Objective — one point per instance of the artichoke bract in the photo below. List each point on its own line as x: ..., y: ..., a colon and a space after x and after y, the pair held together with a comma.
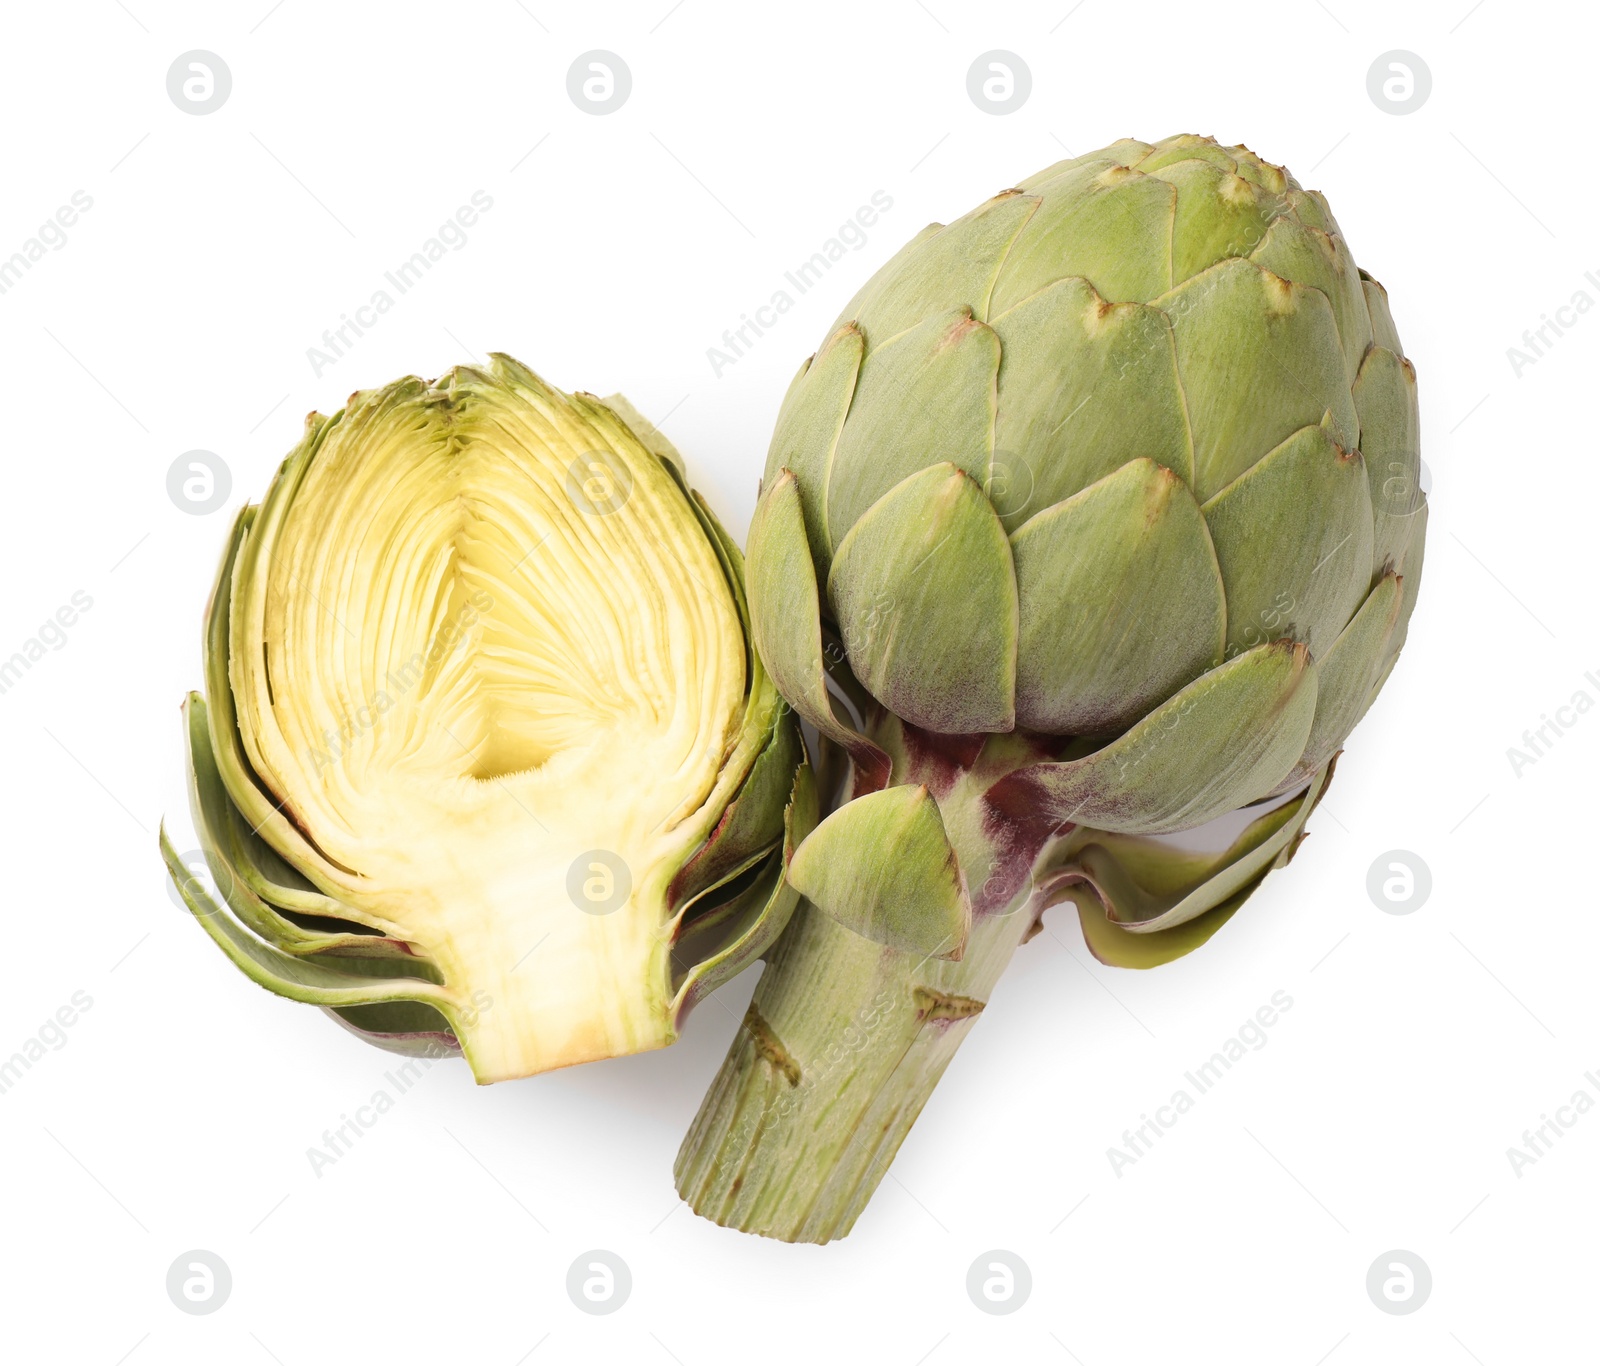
x: 1096, y: 518
x: 484, y: 759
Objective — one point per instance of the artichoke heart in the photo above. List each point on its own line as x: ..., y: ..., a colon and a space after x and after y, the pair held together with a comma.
x: 483, y: 738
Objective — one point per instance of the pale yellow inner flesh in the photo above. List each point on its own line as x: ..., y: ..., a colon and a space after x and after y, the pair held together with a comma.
x: 498, y: 647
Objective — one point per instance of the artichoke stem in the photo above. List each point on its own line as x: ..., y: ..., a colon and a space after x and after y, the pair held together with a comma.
x: 844, y: 1041
x: 536, y: 992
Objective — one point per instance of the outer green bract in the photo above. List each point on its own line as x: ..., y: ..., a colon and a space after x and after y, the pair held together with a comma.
x: 484, y: 760
x: 1102, y: 507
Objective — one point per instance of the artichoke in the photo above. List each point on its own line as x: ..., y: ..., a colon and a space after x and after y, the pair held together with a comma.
x: 484, y: 759
x: 1096, y: 518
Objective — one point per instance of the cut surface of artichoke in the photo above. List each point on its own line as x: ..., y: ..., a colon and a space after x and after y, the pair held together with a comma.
x: 487, y: 690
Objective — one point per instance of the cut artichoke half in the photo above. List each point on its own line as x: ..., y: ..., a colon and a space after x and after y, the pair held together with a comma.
x: 485, y: 759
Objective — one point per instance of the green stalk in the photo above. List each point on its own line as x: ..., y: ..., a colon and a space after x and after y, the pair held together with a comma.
x: 839, y: 1051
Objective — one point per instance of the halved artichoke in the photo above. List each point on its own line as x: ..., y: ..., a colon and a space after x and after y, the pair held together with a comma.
x: 485, y: 758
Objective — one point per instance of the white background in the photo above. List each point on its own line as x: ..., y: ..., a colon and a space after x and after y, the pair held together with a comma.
x: 177, y: 316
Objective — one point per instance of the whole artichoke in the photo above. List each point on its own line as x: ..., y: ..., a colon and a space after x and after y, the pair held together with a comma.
x: 1097, y: 517
x: 485, y: 761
